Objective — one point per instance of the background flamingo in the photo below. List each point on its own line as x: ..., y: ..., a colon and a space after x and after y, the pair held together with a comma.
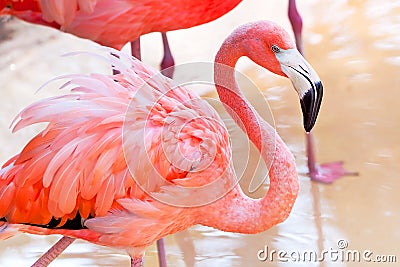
x: 33, y: 181
x: 115, y: 23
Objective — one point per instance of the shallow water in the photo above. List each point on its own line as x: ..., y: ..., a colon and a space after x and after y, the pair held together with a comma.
x: 355, y: 48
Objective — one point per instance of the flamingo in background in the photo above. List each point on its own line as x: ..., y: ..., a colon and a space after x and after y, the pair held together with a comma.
x: 73, y: 179
x: 327, y: 172
x: 114, y: 23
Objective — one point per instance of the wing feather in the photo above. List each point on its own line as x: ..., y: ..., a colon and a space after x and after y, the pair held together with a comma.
x: 105, y: 197
x: 6, y: 195
x: 67, y: 192
x: 122, y: 136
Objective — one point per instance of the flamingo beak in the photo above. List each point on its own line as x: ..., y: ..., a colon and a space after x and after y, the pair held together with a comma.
x: 310, y: 104
x: 305, y: 81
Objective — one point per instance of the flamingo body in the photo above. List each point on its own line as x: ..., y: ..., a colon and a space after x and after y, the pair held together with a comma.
x: 114, y: 23
x: 77, y: 164
x: 127, y: 159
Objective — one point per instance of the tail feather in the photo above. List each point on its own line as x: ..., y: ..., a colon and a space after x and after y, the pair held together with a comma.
x: 8, y: 230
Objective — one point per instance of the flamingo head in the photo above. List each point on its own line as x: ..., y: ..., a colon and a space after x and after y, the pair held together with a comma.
x: 271, y: 47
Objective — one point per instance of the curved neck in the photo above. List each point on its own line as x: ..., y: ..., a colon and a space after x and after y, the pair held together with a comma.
x: 236, y: 212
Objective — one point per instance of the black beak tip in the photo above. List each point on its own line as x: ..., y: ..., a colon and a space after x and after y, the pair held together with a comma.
x: 310, y: 104
x: 308, y: 127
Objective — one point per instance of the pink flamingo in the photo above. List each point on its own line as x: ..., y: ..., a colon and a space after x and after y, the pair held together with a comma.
x: 73, y: 179
x: 327, y: 172
x: 114, y: 23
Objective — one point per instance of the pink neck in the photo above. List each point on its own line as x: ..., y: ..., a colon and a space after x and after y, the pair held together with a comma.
x: 236, y: 212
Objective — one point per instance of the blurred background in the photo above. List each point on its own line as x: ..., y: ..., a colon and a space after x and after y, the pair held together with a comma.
x: 354, y: 45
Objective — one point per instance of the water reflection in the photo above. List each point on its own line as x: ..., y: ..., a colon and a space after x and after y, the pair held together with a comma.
x: 354, y: 45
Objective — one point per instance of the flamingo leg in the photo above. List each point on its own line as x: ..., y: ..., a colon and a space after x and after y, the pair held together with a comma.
x: 162, y: 259
x: 135, y: 49
x: 297, y: 24
x: 327, y: 172
x: 54, y: 252
x: 167, y: 63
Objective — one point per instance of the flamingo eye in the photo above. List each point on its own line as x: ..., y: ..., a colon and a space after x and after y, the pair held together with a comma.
x: 275, y: 49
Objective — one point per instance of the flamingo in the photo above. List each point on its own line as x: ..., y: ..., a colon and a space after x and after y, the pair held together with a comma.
x: 330, y: 171
x: 114, y: 23
x: 127, y: 159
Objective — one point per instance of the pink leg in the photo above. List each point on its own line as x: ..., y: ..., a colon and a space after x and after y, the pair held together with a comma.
x: 297, y: 24
x: 136, y: 262
x: 167, y: 63
x: 114, y: 71
x: 327, y: 172
x: 53, y: 252
x: 162, y: 258
x: 135, y: 49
